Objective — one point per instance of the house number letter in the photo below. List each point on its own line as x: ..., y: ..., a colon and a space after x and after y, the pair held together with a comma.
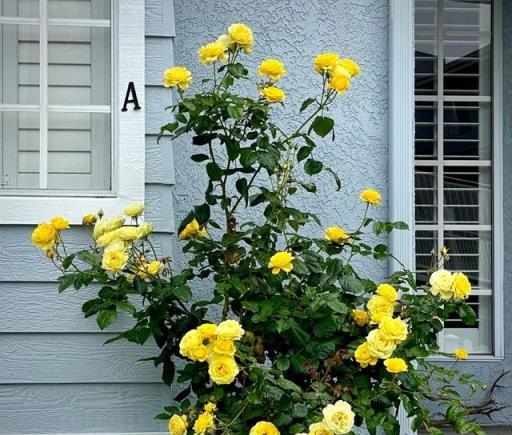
x: 131, y: 97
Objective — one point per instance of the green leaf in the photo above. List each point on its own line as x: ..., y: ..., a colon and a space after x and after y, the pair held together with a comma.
x: 202, y: 213
x: 126, y: 306
x: 237, y: 70
x: 182, y: 292
x: 282, y: 363
x: 67, y: 261
x: 336, y: 178
x: 236, y: 112
x: 306, y: 104
x: 66, y: 281
x: 467, y: 315
x: 214, y: 171
x: 322, y: 125
x: 300, y: 410
x: 312, y: 167
x: 88, y: 258
x: 199, y: 157
x: 303, y: 153
x: 105, y: 318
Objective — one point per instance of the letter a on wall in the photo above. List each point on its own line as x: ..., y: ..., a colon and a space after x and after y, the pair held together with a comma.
x: 130, y: 98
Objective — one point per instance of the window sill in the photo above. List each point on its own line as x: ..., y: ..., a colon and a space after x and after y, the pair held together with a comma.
x: 471, y: 358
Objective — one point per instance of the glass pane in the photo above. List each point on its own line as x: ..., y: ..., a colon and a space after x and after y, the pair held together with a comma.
x: 88, y: 9
x: 467, y: 131
x: 426, y: 47
x: 426, y: 244
x: 425, y: 141
x: 79, y: 65
x: 19, y: 64
x: 425, y: 179
x: 19, y: 8
x: 467, y: 195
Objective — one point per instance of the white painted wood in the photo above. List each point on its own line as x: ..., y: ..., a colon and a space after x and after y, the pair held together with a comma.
x: 160, y: 18
x: 43, y: 96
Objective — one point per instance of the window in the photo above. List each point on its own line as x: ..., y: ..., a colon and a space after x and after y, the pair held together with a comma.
x: 455, y: 147
x: 64, y: 70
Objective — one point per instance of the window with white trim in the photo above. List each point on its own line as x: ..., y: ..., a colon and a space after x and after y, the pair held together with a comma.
x: 454, y: 148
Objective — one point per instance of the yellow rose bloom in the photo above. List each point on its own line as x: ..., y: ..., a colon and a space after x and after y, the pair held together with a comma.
x: 326, y: 62
x: 264, y: 428
x: 177, y: 76
x: 103, y: 226
x: 145, y: 229
x: 193, y: 347
x: 114, y: 260
x: 223, y: 347
x: 133, y: 210
x: 350, y: 65
x: 178, y: 425
x: 379, y: 307
x: 272, y: 68
x: 210, y: 407
x: 363, y: 356
x: 281, y: 260
x: 460, y: 354
x: 441, y: 282
x: 107, y: 239
x: 339, y: 417
x: 273, y: 94
x: 60, y: 223
x: 370, y: 196
x: 319, y: 429
x: 192, y: 229
x: 388, y: 292
x: 461, y: 286
x: 241, y: 35
x: 395, y: 365
x: 379, y: 345
x: 336, y: 235
x: 212, y: 52
x: 222, y: 369
x: 44, y: 236
x: 207, y: 330
x: 360, y: 317
x: 226, y: 41
x: 340, y: 79
x: 229, y: 330
x: 393, y: 329
x: 153, y: 268
x: 89, y: 219
x: 204, y: 422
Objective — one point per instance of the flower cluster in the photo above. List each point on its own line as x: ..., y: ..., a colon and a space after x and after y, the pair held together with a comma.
x: 338, y: 420
x: 205, y: 422
x: 450, y: 285
x: 214, y: 344
x: 337, y: 71
x: 46, y: 235
x: 192, y: 230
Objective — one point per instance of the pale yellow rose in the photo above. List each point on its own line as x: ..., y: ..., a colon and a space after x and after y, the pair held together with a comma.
x: 387, y: 291
x: 319, y: 429
x: 44, y: 236
x: 461, y: 286
x: 395, y: 365
x: 360, y: 317
x: 212, y: 52
x: 177, y: 76
x: 103, y: 226
x: 150, y: 269
x: 363, y: 356
x: 226, y: 41
x: 379, y: 307
x: 229, y: 330
x: 441, y: 282
x: 272, y: 68
x: 326, y: 62
x: 241, y: 35
x: 114, y: 260
x: 273, y: 94
x: 210, y: 407
x: 60, y: 223
x: 379, y: 345
x: 281, y: 261
x: 222, y: 369
x: 336, y: 235
x: 133, y: 210
x: 393, y: 329
x: 339, y: 417
x: 205, y: 422
x: 370, y: 196
x: 461, y: 354
x: 264, y: 428
x: 178, y: 425
x: 127, y: 233
x: 145, y: 229
x: 351, y: 65
x: 107, y: 239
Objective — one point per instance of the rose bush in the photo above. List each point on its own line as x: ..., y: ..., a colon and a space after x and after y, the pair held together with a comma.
x: 306, y: 342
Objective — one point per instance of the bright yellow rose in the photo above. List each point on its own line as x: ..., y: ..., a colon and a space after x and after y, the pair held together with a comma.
x: 150, y: 269
x: 441, y: 282
x: 326, y: 62
x: 379, y: 345
x: 379, y: 307
x: 272, y: 68
x: 114, y: 260
x: 281, y: 260
x: 207, y: 330
x: 222, y: 369
x: 133, y: 210
x: 177, y: 76
x: 319, y: 429
x: 352, y: 66
x: 363, y: 356
x: 336, y: 235
x: 393, y: 329
x: 44, y: 236
x: 210, y: 407
x: 190, y: 340
x: 212, y: 52
x: 388, y: 292
x: 145, y: 229
x: 229, y: 330
x: 395, y: 365
x: 226, y: 41
x: 460, y: 354
x: 223, y: 347
x: 60, y: 223
x: 204, y: 422
x: 264, y: 428
x: 273, y: 94
x: 340, y: 79
x: 241, y: 35
x: 89, y: 219
x: 461, y: 286
x: 192, y: 229
x: 178, y: 425
x: 360, y: 317
x: 339, y: 417
x: 370, y: 196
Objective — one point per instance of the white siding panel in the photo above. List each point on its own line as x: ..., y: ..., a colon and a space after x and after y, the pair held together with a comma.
x: 58, y: 52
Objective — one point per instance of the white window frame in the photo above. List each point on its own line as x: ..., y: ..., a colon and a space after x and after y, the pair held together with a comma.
x: 401, y: 154
x: 128, y: 131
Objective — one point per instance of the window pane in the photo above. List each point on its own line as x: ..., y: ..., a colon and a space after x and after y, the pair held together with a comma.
x: 89, y: 9
x: 426, y: 47
x: 425, y: 141
x: 426, y: 192
x: 426, y: 244
x: 19, y: 8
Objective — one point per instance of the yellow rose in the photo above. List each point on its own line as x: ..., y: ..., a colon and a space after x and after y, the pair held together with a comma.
x: 326, y: 62
x: 379, y: 307
x: 229, y: 330
x: 222, y: 369
x: 226, y: 41
x: 145, y: 229
x: 273, y: 94
x: 107, y: 239
x: 379, y: 345
x: 60, y: 223
x: 461, y: 286
x: 103, y: 226
x: 360, y: 317
x: 395, y: 365
x: 336, y: 235
x: 192, y: 346
x: 388, y: 292
x: 370, y: 196
x: 89, y: 219
x: 393, y: 329
x: 177, y: 76
x: 351, y: 66
x: 363, y: 356
x: 339, y: 417
x: 223, y: 347
x: 210, y: 407
x: 441, y: 282
x: 340, y: 79
x: 114, y: 260
x: 150, y: 269
x: 44, y: 236
x: 281, y: 260
x: 133, y: 210
x: 319, y: 429
x: 272, y: 68
x: 241, y: 35
x: 207, y: 330
x: 460, y: 354
x: 264, y: 428
x: 212, y: 52
x: 127, y: 233
x: 204, y: 422
x: 192, y: 229
x: 178, y: 425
